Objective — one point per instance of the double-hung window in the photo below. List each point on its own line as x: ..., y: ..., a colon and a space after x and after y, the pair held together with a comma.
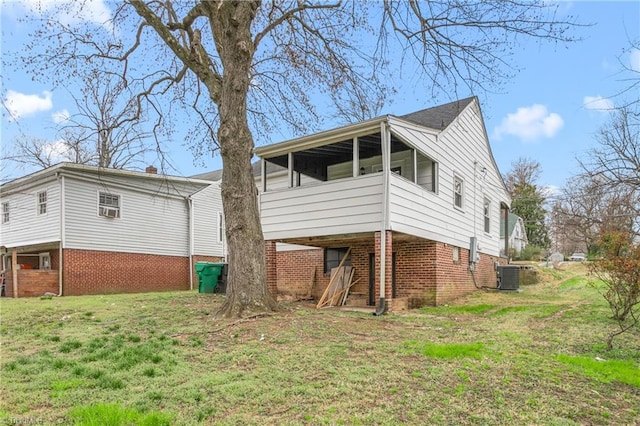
x: 42, y: 202
x: 458, y: 191
x: 220, y: 227
x: 5, y: 212
x: 108, y: 205
x: 487, y: 215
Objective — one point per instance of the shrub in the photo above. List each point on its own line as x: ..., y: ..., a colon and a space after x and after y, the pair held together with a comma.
x: 619, y: 272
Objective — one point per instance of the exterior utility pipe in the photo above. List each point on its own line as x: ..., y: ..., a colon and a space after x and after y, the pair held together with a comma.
x: 62, y: 234
x: 386, y: 166
x: 190, y: 214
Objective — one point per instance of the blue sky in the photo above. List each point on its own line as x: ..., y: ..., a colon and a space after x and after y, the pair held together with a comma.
x: 549, y: 111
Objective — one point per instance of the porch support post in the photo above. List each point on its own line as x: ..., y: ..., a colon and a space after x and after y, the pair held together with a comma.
x: 14, y: 271
x: 388, y: 267
x: 415, y: 166
x: 385, y: 258
x: 263, y: 174
x: 356, y: 157
x: 290, y: 164
x: 272, y: 270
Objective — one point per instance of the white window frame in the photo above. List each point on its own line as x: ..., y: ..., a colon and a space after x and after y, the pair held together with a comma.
x: 41, y: 202
x: 486, y: 206
x: 107, y: 208
x: 44, y: 260
x: 458, y: 194
x: 6, y: 208
x: 220, y: 227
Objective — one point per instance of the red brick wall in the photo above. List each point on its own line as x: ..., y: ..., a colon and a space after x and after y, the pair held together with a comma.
x: 32, y: 282
x: 416, y: 272
x: 101, y: 272
x: 270, y: 257
x: 426, y: 273
x: 294, y: 269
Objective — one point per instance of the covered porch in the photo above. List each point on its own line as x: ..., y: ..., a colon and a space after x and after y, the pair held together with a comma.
x: 409, y: 272
x: 31, y: 271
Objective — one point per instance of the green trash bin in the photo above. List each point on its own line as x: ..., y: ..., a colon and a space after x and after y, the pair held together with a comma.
x: 208, y: 274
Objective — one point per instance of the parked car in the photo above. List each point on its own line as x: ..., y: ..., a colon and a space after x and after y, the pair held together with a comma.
x: 578, y: 257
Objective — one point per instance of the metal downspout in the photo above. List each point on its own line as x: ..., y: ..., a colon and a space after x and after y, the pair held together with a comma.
x: 386, y: 166
x: 190, y: 243
x: 62, y: 235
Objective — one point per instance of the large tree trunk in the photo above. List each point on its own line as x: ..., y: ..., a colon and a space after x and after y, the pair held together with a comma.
x: 246, y: 289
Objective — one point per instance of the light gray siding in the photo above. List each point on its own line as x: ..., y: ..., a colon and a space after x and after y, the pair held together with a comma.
x: 328, y: 208
x: 206, y: 205
x: 461, y: 150
x: 149, y: 222
x: 26, y: 226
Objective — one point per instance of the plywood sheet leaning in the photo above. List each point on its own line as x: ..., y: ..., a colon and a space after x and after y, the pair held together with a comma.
x: 334, y: 276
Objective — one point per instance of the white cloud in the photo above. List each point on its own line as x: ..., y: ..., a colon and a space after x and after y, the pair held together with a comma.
x: 57, y: 151
x: 21, y: 105
x: 73, y: 12
x: 598, y: 103
x: 61, y: 116
x: 530, y: 123
x: 634, y: 59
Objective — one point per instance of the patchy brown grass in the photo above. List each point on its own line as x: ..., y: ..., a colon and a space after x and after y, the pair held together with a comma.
x: 490, y: 358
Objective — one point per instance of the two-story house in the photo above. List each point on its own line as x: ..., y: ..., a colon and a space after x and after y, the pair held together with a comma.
x: 418, y: 200
x: 73, y: 229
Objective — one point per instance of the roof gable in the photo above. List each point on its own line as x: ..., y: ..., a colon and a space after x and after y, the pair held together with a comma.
x: 438, y: 117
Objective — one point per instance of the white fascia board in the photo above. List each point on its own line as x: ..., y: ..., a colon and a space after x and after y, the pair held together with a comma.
x: 319, y: 139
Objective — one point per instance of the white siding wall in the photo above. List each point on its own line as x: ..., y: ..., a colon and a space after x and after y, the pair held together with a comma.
x: 280, y: 180
x: 26, y: 226
x: 329, y: 208
x: 206, y: 206
x: 148, y: 223
x: 434, y: 215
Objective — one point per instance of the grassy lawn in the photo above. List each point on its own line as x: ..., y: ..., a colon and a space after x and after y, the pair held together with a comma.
x: 534, y: 357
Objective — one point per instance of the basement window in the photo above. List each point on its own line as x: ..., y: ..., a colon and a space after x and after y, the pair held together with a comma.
x: 333, y: 257
x: 456, y: 255
x: 108, y: 205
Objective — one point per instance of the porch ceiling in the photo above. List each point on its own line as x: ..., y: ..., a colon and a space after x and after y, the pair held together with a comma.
x: 314, y: 161
x: 345, y: 239
x: 33, y: 248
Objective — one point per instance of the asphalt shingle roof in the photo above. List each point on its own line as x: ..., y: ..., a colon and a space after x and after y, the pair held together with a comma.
x: 438, y: 117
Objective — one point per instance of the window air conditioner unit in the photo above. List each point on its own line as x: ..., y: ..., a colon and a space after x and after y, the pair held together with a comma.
x: 107, y: 212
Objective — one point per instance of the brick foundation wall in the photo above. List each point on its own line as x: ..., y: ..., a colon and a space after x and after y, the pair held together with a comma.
x: 33, y: 282
x: 426, y: 273
x: 416, y: 272
x: 101, y: 272
x: 294, y: 270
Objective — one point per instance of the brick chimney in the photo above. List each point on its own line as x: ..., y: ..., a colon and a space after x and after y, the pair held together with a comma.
x: 152, y: 170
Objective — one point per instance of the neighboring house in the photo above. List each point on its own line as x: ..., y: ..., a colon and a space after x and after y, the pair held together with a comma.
x: 73, y: 229
x: 418, y: 200
x: 517, y: 234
